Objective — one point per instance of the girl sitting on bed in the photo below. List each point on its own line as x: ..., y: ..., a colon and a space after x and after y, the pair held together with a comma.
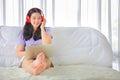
x: 34, y: 33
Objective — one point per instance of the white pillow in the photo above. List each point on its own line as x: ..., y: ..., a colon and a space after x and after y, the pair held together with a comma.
x: 8, y: 38
x: 80, y: 45
x: 2, y: 41
x: 10, y: 34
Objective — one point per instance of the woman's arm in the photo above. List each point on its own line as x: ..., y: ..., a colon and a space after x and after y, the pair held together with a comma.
x: 20, y: 51
x: 46, y: 38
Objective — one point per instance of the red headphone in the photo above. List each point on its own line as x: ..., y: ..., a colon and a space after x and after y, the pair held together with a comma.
x: 28, y: 18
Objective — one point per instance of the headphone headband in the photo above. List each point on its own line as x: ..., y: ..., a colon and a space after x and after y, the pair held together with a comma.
x: 28, y: 17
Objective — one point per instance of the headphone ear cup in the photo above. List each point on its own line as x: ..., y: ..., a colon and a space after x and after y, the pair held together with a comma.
x: 42, y: 18
x: 27, y: 19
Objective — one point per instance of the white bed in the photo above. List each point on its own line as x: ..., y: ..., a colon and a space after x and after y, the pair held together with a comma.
x: 80, y: 53
x: 69, y: 72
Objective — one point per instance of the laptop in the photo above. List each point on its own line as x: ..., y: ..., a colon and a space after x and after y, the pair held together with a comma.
x: 33, y: 51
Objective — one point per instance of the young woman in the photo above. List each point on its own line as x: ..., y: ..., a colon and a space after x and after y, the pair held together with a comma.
x: 34, y: 33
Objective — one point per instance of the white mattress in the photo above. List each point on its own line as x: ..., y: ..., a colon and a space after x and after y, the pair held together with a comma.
x: 69, y: 72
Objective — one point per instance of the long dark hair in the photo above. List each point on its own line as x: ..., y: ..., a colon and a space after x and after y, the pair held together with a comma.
x: 28, y: 28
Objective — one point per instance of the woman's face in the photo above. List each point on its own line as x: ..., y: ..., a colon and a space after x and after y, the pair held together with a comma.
x: 36, y: 20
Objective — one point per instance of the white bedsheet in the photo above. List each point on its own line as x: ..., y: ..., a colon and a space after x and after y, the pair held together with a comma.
x: 69, y: 72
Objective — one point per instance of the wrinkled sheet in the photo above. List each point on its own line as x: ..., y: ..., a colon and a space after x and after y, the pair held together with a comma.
x: 69, y: 72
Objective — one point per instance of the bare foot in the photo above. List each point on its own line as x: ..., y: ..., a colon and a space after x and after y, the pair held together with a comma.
x: 39, y: 60
x: 40, y: 68
x: 39, y: 64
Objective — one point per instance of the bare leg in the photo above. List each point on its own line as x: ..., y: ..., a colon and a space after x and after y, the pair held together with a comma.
x: 35, y: 66
x: 26, y: 66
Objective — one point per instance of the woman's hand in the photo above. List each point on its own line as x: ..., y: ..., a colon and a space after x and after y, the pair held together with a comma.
x: 46, y: 38
x: 43, y: 24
